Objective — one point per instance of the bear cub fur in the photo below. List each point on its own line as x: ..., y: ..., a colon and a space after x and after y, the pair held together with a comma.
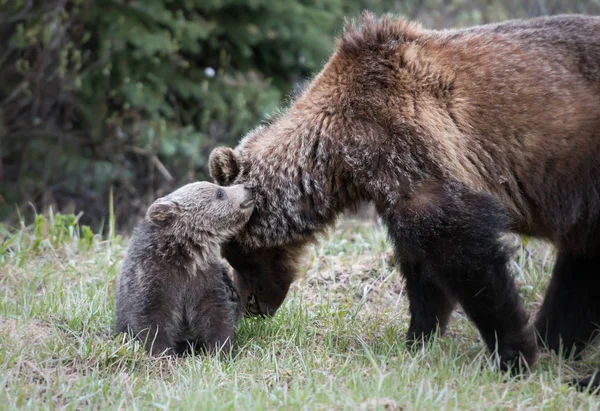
x: 174, y: 292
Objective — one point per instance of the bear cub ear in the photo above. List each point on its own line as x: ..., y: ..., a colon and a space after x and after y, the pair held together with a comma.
x: 162, y: 211
x: 223, y: 164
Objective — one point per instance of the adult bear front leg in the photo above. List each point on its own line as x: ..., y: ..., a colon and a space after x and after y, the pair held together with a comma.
x: 455, y: 233
x: 430, y: 306
x: 591, y: 383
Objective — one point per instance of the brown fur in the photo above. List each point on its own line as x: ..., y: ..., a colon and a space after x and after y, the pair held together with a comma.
x: 457, y: 136
x: 174, y: 292
x: 228, y: 166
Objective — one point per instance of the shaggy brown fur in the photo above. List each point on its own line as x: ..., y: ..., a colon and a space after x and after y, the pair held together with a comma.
x: 174, y: 292
x: 456, y: 136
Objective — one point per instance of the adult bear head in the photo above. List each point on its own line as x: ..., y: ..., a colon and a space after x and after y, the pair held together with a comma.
x: 265, y: 257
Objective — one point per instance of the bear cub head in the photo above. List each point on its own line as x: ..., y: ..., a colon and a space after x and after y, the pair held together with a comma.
x: 174, y: 292
x: 202, y: 210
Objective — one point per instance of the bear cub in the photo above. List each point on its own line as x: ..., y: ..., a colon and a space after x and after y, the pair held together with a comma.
x: 174, y: 292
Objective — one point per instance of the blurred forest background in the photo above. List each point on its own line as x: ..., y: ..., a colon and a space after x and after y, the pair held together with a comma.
x: 133, y: 94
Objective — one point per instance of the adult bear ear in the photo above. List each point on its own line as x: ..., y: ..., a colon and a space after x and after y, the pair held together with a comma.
x: 162, y: 211
x: 223, y: 165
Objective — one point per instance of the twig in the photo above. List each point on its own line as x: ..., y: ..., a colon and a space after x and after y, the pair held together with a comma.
x: 162, y: 169
x: 7, y: 20
x: 154, y: 159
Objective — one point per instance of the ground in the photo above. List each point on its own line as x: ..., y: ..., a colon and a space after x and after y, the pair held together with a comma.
x: 336, y: 343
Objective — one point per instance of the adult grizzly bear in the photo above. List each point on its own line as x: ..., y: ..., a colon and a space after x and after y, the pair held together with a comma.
x: 456, y: 136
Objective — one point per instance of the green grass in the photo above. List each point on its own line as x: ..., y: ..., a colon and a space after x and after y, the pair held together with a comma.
x: 336, y: 343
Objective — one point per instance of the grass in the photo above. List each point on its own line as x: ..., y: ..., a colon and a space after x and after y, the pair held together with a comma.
x: 336, y: 343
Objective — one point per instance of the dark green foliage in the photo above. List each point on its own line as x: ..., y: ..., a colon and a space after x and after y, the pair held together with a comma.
x: 133, y: 94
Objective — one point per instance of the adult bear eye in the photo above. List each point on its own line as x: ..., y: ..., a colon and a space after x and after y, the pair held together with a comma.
x: 220, y: 194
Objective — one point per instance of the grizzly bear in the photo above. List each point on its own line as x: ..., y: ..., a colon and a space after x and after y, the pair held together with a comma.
x: 174, y: 292
x: 457, y: 137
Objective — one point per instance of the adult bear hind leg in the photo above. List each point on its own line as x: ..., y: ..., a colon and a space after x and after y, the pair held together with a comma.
x: 457, y: 232
x: 570, y: 313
